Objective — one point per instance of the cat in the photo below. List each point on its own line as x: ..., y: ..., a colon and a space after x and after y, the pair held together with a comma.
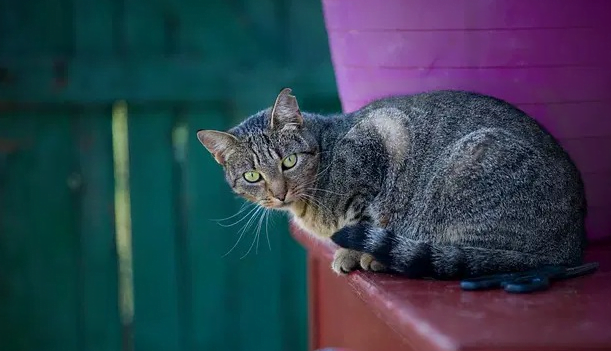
x: 443, y: 184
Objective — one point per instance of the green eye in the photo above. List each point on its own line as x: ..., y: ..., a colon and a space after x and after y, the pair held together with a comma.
x: 252, y: 176
x: 289, y: 161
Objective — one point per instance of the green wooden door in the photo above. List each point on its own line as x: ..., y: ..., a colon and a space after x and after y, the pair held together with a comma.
x: 57, y: 263
x: 179, y: 66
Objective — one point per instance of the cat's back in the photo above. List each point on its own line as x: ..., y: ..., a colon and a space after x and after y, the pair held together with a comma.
x: 444, y: 116
x: 451, y: 105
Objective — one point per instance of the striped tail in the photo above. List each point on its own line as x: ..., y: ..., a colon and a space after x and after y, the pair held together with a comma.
x: 419, y: 259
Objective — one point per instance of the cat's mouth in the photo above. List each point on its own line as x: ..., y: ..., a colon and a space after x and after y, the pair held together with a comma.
x: 277, y: 204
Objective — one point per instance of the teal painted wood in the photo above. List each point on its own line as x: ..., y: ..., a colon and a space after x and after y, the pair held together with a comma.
x: 162, y: 50
x: 214, y: 311
x: 37, y: 27
x: 99, y: 325
x: 188, y: 296
x: 152, y: 188
x: 57, y: 261
x: 103, y: 80
x: 185, y: 63
x: 34, y: 200
x: 58, y: 279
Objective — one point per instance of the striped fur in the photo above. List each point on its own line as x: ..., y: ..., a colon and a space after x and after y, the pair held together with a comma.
x: 444, y: 184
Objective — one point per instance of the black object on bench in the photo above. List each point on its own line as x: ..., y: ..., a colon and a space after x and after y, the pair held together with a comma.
x: 529, y: 281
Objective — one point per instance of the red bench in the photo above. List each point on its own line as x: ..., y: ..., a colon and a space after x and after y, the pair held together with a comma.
x: 375, y: 312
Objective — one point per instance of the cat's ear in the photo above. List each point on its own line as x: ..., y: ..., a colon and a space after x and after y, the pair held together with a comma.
x: 285, y: 112
x: 219, y: 144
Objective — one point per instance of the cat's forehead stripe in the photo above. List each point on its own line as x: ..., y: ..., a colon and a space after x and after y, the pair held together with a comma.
x: 253, y: 147
x: 256, y: 159
x: 268, y: 143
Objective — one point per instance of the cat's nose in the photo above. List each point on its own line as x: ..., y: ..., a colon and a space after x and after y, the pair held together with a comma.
x: 278, y: 191
x: 280, y: 195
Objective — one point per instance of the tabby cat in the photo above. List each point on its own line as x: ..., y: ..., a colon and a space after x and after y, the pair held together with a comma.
x: 443, y: 184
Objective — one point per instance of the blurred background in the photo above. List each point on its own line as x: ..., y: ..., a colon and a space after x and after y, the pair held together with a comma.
x: 107, y: 199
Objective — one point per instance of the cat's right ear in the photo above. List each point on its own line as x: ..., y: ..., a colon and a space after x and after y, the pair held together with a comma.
x: 285, y: 112
x: 219, y: 144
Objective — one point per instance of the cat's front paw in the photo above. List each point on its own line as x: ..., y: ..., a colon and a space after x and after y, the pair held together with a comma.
x: 345, y: 261
x: 369, y: 263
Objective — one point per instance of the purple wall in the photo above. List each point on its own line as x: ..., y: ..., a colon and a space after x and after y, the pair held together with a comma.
x: 552, y: 58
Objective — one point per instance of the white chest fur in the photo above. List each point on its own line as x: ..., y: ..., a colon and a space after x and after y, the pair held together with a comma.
x: 317, y: 221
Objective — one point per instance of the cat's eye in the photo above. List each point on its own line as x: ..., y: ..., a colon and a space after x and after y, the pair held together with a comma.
x: 252, y: 176
x: 289, y: 161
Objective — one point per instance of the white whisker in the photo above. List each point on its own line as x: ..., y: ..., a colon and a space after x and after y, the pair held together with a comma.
x: 240, y: 220
x: 267, y: 231
x: 315, y: 202
x: 243, y: 230
x: 259, y: 230
x: 242, y: 208
x: 255, y: 239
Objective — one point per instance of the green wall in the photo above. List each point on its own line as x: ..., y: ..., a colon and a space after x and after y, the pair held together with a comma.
x: 180, y: 66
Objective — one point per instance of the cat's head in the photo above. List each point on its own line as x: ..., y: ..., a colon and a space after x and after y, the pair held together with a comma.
x: 271, y: 158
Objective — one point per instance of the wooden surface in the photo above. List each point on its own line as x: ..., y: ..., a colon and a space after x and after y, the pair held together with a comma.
x: 338, y: 316
x: 431, y: 315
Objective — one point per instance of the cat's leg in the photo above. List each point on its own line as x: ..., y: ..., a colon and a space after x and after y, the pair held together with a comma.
x: 369, y: 263
x: 346, y: 261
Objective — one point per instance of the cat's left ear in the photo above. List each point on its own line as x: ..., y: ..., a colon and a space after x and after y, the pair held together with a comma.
x: 285, y: 112
x: 219, y: 144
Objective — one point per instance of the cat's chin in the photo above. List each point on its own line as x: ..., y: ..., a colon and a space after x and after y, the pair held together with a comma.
x: 284, y: 207
x: 281, y: 206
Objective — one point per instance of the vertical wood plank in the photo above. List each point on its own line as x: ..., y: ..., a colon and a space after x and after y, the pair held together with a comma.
x: 293, y: 291
x: 215, y: 313
x: 100, y: 323
x: 38, y: 236
x: 156, y: 320
x: 99, y: 311
x: 256, y: 274
x: 183, y: 278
